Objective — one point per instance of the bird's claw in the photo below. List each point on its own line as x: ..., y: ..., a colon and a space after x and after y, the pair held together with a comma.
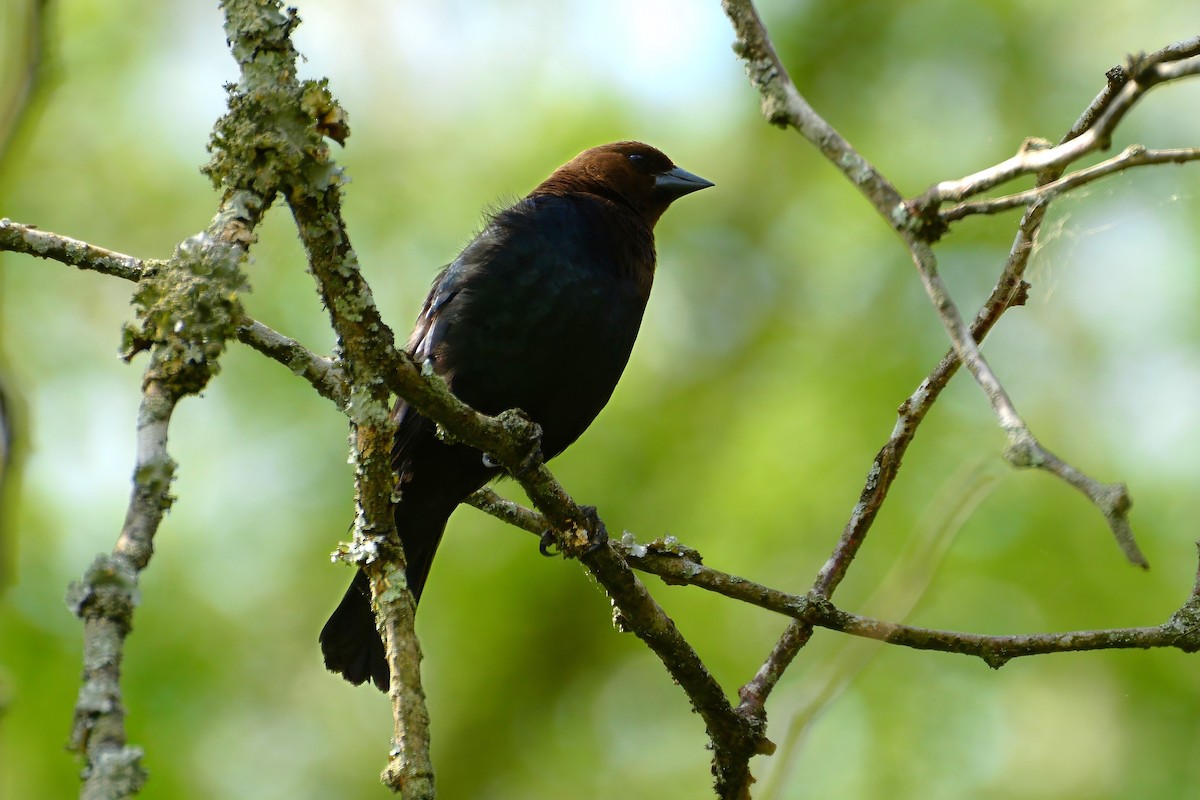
x: 597, y: 533
x: 594, y: 534
x: 547, y: 542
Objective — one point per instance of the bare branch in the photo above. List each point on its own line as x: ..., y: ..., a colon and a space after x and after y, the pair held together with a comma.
x: 1023, y: 450
x: 1112, y: 499
x: 996, y: 651
x: 1139, y: 77
x: 679, y: 565
x: 783, y: 105
x: 19, y: 238
x: 325, y: 374
x: 1135, y: 155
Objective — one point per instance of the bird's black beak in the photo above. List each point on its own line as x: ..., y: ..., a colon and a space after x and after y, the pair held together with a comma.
x: 677, y: 182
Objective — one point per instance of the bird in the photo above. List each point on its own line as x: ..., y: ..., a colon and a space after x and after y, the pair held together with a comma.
x: 539, y: 312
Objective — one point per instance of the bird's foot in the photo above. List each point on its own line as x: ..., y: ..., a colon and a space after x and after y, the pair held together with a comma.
x: 518, y: 423
x: 583, y: 540
x: 596, y: 533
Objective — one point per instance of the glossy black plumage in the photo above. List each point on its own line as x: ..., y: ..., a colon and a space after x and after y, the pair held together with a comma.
x: 539, y: 312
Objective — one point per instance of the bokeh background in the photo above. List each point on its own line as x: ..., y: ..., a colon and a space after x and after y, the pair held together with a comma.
x: 785, y: 327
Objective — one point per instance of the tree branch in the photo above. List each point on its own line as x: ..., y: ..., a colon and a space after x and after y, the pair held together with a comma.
x: 679, y: 565
x: 28, y: 239
x: 189, y: 308
x: 324, y: 374
x: 364, y: 340
x: 1135, y: 155
x: 279, y: 125
x: 184, y: 326
x: 783, y: 105
x: 1140, y: 75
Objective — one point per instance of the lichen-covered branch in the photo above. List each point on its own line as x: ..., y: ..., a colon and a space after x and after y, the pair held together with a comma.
x: 282, y: 124
x: 363, y: 338
x: 188, y: 310
x: 323, y: 373
x: 189, y: 307
x: 19, y: 238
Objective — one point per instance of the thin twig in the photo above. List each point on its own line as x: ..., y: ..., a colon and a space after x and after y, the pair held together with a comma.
x: 1135, y: 155
x: 679, y: 565
x: 996, y: 651
x: 323, y: 373
x: 783, y: 105
x: 1034, y: 157
x: 28, y: 239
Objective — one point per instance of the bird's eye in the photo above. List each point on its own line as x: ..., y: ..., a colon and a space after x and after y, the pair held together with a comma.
x: 637, y: 159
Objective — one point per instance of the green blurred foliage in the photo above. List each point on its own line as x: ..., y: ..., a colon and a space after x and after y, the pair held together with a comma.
x: 785, y: 328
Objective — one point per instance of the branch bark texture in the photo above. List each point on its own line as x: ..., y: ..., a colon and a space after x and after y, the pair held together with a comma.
x: 274, y: 141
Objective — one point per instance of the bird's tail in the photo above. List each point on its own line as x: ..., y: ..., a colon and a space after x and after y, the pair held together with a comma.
x: 350, y: 641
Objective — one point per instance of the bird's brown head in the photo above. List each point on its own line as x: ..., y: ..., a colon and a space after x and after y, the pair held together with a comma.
x: 630, y: 173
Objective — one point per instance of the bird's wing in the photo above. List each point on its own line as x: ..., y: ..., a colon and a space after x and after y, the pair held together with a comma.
x: 431, y: 327
x: 412, y: 424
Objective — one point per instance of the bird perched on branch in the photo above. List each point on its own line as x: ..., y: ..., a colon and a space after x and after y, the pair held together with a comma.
x: 539, y: 312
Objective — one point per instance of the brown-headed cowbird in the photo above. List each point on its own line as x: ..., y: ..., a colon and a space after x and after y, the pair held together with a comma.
x: 539, y: 312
